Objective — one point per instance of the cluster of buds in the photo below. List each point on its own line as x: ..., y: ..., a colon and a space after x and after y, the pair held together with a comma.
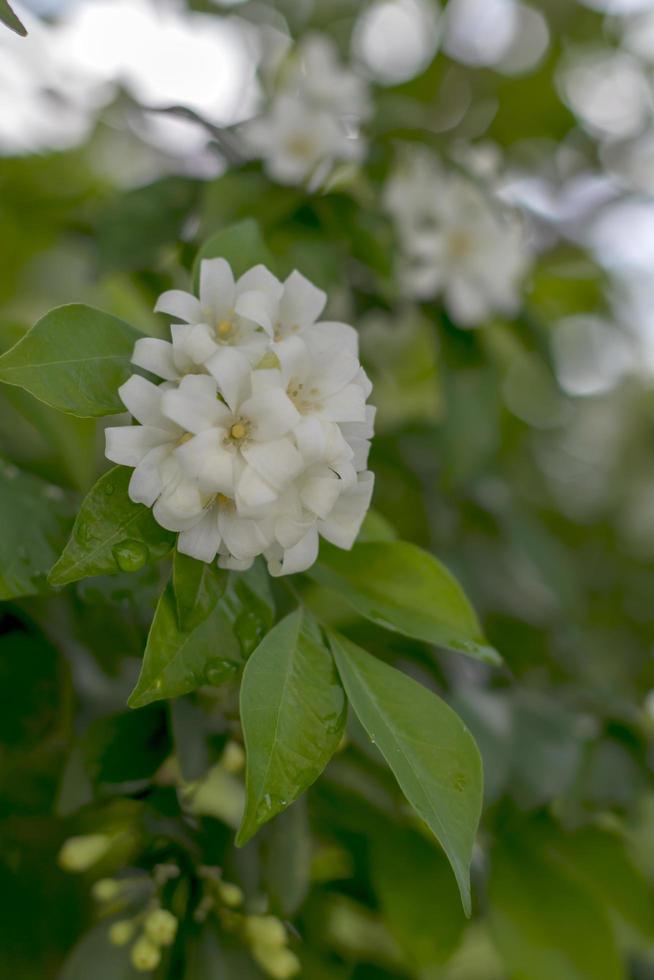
x: 268, y: 941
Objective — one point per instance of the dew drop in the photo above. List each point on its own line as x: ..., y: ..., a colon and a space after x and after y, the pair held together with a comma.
x: 130, y: 555
x: 109, y: 489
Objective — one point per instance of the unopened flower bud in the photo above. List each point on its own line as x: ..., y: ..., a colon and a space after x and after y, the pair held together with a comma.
x: 231, y: 894
x: 265, y: 930
x: 106, y: 890
x: 81, y: 853
x: 121, y: 932
x: 278, y: 962
x: 233, y: 758
x: 145, y: 955
x: 161, y: 927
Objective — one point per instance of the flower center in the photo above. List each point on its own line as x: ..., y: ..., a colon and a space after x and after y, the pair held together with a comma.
x: 304, y: 399
x: 300, y: 145
x: 184, y: 438
x: 239, y: 430
x: 460, y: 244
x: 224, y: 328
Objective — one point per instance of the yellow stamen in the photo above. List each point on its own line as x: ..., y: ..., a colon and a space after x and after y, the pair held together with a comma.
x: 224, y: 328
x: 184, y: 438
x: 223, y: 500
x: 238, y: 431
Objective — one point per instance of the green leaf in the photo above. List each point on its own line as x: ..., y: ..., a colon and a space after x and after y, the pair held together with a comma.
x: 417, y: 894
x: 36, y: 517
x: 176, y: 661
x: 544, y: 922
x: 198, y: 586
x: 9, y: 18
x: 132, y: 227
x: 286, y: 862
x: 95, y: 956
x: 74, y: 359
x: 292, y: 712
x: 405, y: 589
x: 432, y: 754
x: 241, y: 244
x: 111, y: 533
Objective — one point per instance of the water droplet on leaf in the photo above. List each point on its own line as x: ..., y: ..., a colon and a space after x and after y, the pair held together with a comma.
x: 130, y: 555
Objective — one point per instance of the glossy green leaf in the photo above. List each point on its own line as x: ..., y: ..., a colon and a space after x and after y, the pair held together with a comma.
x: 198, y: 586
x: 403, y: 588
x: 292, y: 712
x: 417, y: 895
x: 432, y: 754
x: 250, y: 606
x: 74, y: 359
x: 111, y: 533
x: 545, y: 923
x: 9, y: 18
x: 241, y: 244
x: 176, y: 661
x: 36, y: 517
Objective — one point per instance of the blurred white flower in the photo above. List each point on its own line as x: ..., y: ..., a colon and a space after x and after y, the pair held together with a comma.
x: 313, y: 118
x: 257, y: 440
x: 457, y: 241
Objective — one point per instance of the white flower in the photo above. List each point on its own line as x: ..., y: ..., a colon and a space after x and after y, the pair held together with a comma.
x: 313, y: 118
x: 457, y: 242
x: 245, y: 454
x: 299, y: 142
x: 227, y: 315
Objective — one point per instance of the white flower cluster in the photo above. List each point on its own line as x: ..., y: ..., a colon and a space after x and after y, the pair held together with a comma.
x: 256, y: 441
x: 314, y: 116
x: 457, y: 239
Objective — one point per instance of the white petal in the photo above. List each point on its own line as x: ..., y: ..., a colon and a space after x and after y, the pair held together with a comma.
x: 348, y: 405
x: 226, y: 561
x: 148, y: 479
x: 183, y: 306
x: 272, y: 414
x: 205, y: 459
x: 128, y: 444
x: 334, y: 371
x: 257, y: 307
x: 261, y: 280
x: 290, y: 530
x: 277, y: 462
x: 156, y: 356
x: 298, y: 558
x: 203, y: 539
x: 295, y: 359
x: 180, y: 509
x: 200, y: 343
x: 194, y: 405
x: 216, y: 287
x: 344, y: 523
x: 142, y: 399
x: 302, y: 302
x: 322, y: 336
x: 244, y: 538
x: 231, y: 369
x: 252, y: 492
x: 319, y: 493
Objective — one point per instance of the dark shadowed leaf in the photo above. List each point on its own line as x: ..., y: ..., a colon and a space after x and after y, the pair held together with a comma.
x: 240, y: 244
x: 431, y: 752
x: 198, y: 586
x: 292, y: 712
x: 36, y: 517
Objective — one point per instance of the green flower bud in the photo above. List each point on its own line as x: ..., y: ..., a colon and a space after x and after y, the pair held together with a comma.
x: 145, y: 955
x: 161, y: 927
x: 81, y: 853
x: 121, y: 932
x: 280, y: 963
x: 106, y: 889
x: 265, y: 930
x: 231, y: 894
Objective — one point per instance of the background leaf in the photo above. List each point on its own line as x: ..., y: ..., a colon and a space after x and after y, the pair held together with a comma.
x: 8, y: 17
x: 111, y: 533
x: 403, y: 588
x: 240, y: 244
x: 74, y: 359
x: 35, y: 519
x: 292, y: 712
x: 431, y: 752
